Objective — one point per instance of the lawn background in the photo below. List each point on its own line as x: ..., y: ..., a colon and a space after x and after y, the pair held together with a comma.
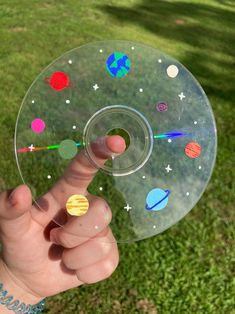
x: 190, y: 267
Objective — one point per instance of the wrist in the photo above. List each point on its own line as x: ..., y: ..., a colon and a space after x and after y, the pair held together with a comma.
x: 15, y: 288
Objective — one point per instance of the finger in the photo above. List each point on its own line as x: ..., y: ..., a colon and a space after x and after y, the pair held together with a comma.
x: 81, y: 171
x: 78, y: 230
x: 76, y: 178
x: 100, y: 270
x: 15, y: 206
x: 89, y: 252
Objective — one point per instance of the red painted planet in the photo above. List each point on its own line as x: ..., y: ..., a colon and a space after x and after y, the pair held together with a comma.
x: 59, y: 81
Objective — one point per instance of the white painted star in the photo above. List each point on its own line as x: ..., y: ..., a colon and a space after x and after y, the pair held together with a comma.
x: 195, y: 122
x: 127, y: 207
x: 169, y: 140
x: 31, y: 147
x: 141, y: 90
x: 199, y: 167
x: 101, y: 50
x: 74, y: 127
x: 133, y: 48
x: 154, y: 226
x: 168, y: 168
x: 101, y: 188
x: 143, y: 177
x: 159, y: 60
x: 96, y: 227
x: 181, y: 96
x: 70, y: 61
x: 49, y: 177
x: 187, y: 193
x: 33, y: 101
x: 95, y: 87
x: 67, y: 101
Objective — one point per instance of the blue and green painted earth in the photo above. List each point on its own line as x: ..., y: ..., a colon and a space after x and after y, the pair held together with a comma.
x: 118, y: 64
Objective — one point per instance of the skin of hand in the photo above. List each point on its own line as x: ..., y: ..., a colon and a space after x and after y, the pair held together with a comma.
x: 42, y: 258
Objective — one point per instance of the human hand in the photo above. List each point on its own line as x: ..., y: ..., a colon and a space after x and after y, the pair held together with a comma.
x: 41, y: 259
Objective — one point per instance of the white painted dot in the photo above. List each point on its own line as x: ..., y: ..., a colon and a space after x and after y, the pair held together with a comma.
x: 74, y: 127
x: 154, y: 226
x: 101, y: 188
x: 67, y: 101
x: 169, y: 140
x: 33, y: 101
x: 96, y: 227
x: 49, y: 177
x: 172, y: 71
x: 70, y: 61
x: 199, y: 167
x: 101, y: 50
x: 159, y: 60
x: 187, y: 193
x: 141, y: 90
x: 195, y: 122
x: 132, y: 48
x: 143, y: 177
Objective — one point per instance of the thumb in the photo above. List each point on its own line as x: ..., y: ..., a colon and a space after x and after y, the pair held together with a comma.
x: 15, y: 208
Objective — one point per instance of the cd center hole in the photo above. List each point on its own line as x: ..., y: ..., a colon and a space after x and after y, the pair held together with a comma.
x: 123, y: 133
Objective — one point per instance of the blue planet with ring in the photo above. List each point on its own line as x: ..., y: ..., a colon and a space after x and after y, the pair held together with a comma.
x: 118, y: 64
x: 157, y: 199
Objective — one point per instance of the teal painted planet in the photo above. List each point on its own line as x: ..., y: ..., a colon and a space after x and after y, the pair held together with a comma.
x: 118, y: 64
x: 157, y: 199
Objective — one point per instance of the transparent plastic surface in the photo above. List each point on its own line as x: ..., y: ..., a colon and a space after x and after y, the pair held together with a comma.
x: 108, y: 85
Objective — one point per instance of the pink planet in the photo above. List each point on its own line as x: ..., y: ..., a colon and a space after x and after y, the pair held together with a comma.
x: 38, y: 125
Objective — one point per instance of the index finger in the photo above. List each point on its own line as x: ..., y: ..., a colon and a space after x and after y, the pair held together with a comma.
x: 78, y: 175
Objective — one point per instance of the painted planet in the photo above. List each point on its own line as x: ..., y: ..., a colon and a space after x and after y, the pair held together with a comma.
x: 157, y: 199
x: 67, y: 149
x: 162, y: 106
x: 192, y: 150
x: 118, y: 64
x: 172, y: 71
x: 38, y: 125
x: 59, y: 81
x: 77, y: 205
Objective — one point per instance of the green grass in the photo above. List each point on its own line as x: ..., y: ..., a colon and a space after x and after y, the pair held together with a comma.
x: 190, y: 267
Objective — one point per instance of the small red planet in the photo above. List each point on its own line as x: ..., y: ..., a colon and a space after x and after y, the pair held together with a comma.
x: 59, y: 81
x: 192, y: 150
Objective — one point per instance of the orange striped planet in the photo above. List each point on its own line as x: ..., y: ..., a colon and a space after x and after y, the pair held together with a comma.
x: 77, y: 205
x: 192, y: 150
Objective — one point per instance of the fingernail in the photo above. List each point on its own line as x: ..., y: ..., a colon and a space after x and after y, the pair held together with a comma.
x: 53, y: 238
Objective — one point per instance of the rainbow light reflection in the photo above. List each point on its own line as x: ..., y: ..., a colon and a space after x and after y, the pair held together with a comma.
x: 157, y: 136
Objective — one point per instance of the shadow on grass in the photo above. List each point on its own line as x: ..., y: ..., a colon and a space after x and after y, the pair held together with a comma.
x: 208, y: 29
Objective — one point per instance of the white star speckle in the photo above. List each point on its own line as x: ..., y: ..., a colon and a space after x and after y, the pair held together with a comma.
x: 143, y: 177
x: 101, y: 50
x: 199, y: 167
x: 159, y: 60
x: 49, y: 177
x: 181, y: 96
x: 169, y: 140
x: 70, y: 61
x: 141, y: 90
x: 195, y: 122
x: 187, y: 193
x: 154, y: 226
x: 96, y: 227
x: 95, y: 87
x: 74, y: 127
x: 101, y: 188
x: 33, y: 101
x: 67, y: 101
x: 31, y: 147
x: 127, y: 207
x: 132, y: 48
x: 168, y: 168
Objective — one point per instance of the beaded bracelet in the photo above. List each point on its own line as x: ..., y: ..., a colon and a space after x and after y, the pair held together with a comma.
x: 16, y: 306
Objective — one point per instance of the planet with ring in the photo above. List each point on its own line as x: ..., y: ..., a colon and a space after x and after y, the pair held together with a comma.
x: 157, y: 199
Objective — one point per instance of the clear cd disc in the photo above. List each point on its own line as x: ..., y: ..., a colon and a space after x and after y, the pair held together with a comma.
x: 140, y: 93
